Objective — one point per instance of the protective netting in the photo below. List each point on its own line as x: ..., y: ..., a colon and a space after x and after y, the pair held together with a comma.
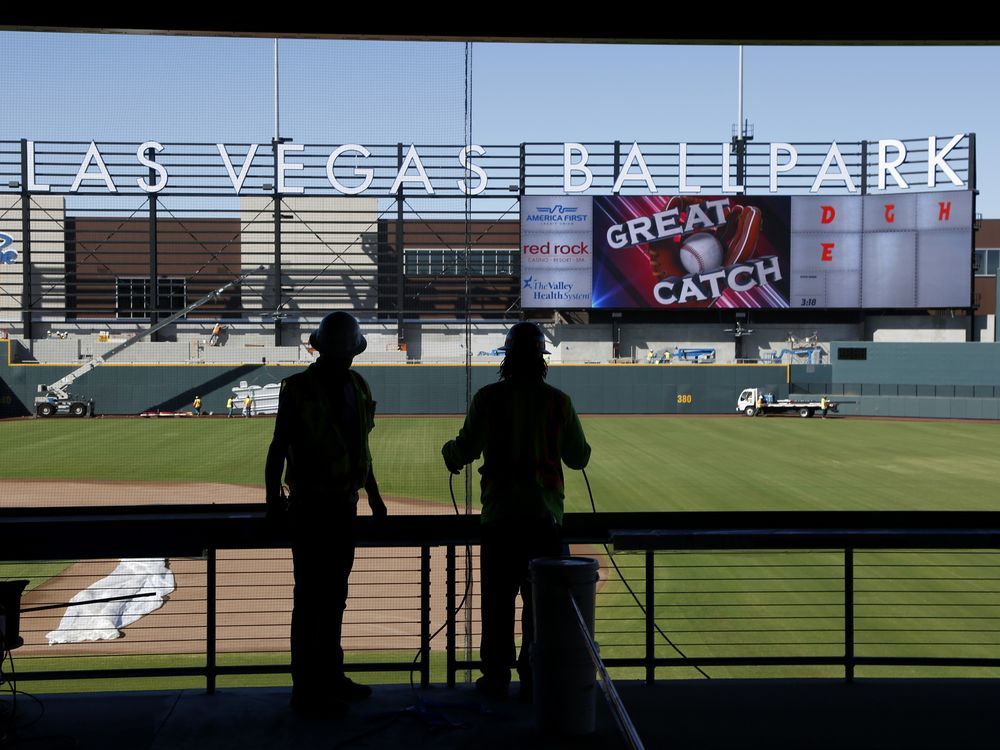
x: 107, y: 259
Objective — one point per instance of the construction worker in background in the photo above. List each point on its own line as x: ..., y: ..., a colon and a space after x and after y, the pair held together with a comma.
x: 248, y: 405
x: 197, y: 405
x: 229, y: 407
x: 525, y: 429
x: 216, y: 332
x: 760, y: 405
x: 321, y: 441
x: 650, y: 356
x: 824, y: 406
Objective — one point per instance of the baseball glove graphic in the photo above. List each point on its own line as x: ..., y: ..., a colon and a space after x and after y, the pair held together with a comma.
x: 693, y: 253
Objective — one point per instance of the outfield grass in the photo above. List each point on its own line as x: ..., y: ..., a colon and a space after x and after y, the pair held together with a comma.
x: 749, y: 604
x: 36, y: 572
x: 638, y: 464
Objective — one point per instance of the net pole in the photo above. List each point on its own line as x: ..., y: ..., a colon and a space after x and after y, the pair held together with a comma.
x: 468, y: 342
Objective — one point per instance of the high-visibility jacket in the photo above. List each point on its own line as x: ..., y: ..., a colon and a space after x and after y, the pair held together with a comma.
x: 229, y: 403
x: 525, y: 431
x: 197, y: 403
x: 319, y: 459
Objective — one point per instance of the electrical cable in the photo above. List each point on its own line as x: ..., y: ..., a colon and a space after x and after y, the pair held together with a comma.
x: 9, y: 729
x: 9, y: 726
x: 166, y: 718
x: 465, y: 594
x: 628, y: 587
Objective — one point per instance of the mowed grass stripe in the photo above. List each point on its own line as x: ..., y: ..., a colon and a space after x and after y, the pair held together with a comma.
x: 638, y: 464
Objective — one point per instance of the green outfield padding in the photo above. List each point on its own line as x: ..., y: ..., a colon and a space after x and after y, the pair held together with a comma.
x: 949, y: 381
x: 399, y: 389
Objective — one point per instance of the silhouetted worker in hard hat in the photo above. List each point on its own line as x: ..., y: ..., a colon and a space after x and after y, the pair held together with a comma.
x: 525, y: 429
x: 321, y: 440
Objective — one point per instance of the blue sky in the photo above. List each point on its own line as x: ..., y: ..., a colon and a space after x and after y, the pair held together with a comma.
x: 132, y: 88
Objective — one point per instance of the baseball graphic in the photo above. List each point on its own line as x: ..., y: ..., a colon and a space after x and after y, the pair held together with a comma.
x: 701, y: 252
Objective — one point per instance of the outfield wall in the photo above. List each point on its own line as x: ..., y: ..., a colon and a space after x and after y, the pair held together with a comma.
x: 918, y: 363
x: 905, y: 380
x: 401, y: 389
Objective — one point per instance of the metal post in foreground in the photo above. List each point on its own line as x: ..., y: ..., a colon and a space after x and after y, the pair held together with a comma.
x: 849, y: 614
x: 210, y: 620
x: 564, y: 676
x: 650, y: 617
x: 425, y: 616
x: 449, y: 603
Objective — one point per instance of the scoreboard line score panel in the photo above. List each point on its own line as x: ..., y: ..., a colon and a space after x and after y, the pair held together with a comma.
x: 902, y: 251
x: 882, y: 251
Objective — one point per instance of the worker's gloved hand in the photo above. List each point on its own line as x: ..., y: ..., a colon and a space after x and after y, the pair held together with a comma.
x: 447, y: 451
x: 276, y: 510
x: 377, y: 505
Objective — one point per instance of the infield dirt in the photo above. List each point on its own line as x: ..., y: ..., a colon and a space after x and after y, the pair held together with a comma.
x: 254, y: 586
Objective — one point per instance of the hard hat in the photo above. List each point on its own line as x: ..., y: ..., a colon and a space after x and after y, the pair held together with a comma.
x: 338, y: 335
x: 525, y: 338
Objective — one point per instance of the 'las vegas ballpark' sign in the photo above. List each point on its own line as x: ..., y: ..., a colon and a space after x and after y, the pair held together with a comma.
x: 354, y: 169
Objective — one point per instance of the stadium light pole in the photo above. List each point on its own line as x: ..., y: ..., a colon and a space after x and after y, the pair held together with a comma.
x: 739, y: 94
x: 277, y: 129
x: 741, y: 133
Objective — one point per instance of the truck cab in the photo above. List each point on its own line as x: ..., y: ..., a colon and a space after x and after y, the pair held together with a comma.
x: 747, y: 402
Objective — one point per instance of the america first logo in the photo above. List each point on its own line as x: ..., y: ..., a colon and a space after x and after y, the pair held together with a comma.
x: 557, y: 214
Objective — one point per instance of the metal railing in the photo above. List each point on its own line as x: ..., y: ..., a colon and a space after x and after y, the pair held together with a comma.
x: 715, y: 594
x: 89, y: 250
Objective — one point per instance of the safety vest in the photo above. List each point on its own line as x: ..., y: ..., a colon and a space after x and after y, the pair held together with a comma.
x: 524, y: 432
x: 318, y: 458
x: 229, y: 403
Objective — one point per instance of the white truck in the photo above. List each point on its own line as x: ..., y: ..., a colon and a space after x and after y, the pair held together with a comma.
x: 747, y: 403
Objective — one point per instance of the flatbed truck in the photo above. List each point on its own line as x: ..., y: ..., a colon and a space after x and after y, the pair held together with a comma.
x: 747, y: 403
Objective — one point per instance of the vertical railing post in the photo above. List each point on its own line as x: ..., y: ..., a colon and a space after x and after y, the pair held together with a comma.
x: 26, y: 301
x: 210, y: 619
x: 400, y: 270
x: 154, y: 272
x: 276, y: 272
x: 849, y: 614
x: 617, y: 170
x: 425, y: 616
x: 650, y: 617
x: 449, y: 603
x: 864, y: 167
x: 522, y: 170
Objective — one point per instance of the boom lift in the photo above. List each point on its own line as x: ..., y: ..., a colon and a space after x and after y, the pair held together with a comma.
x: 56, y: 398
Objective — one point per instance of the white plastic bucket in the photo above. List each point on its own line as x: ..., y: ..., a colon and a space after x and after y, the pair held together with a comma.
x: 565, y: 681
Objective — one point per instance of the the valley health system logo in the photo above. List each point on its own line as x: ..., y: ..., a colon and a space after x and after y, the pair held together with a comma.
x: 557, y: 237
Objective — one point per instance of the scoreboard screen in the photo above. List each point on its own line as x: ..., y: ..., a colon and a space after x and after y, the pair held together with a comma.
x: 692, y: 251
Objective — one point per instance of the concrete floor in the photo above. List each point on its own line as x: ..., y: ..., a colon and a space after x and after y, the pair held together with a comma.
x: 729, y: 714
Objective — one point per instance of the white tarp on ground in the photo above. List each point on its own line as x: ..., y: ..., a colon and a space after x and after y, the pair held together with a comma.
x: 103, y: 622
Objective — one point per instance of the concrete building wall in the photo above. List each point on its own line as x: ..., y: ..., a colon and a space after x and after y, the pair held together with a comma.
x: 326, y: 262
x: 48, y: 257
x: 912, y: 328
